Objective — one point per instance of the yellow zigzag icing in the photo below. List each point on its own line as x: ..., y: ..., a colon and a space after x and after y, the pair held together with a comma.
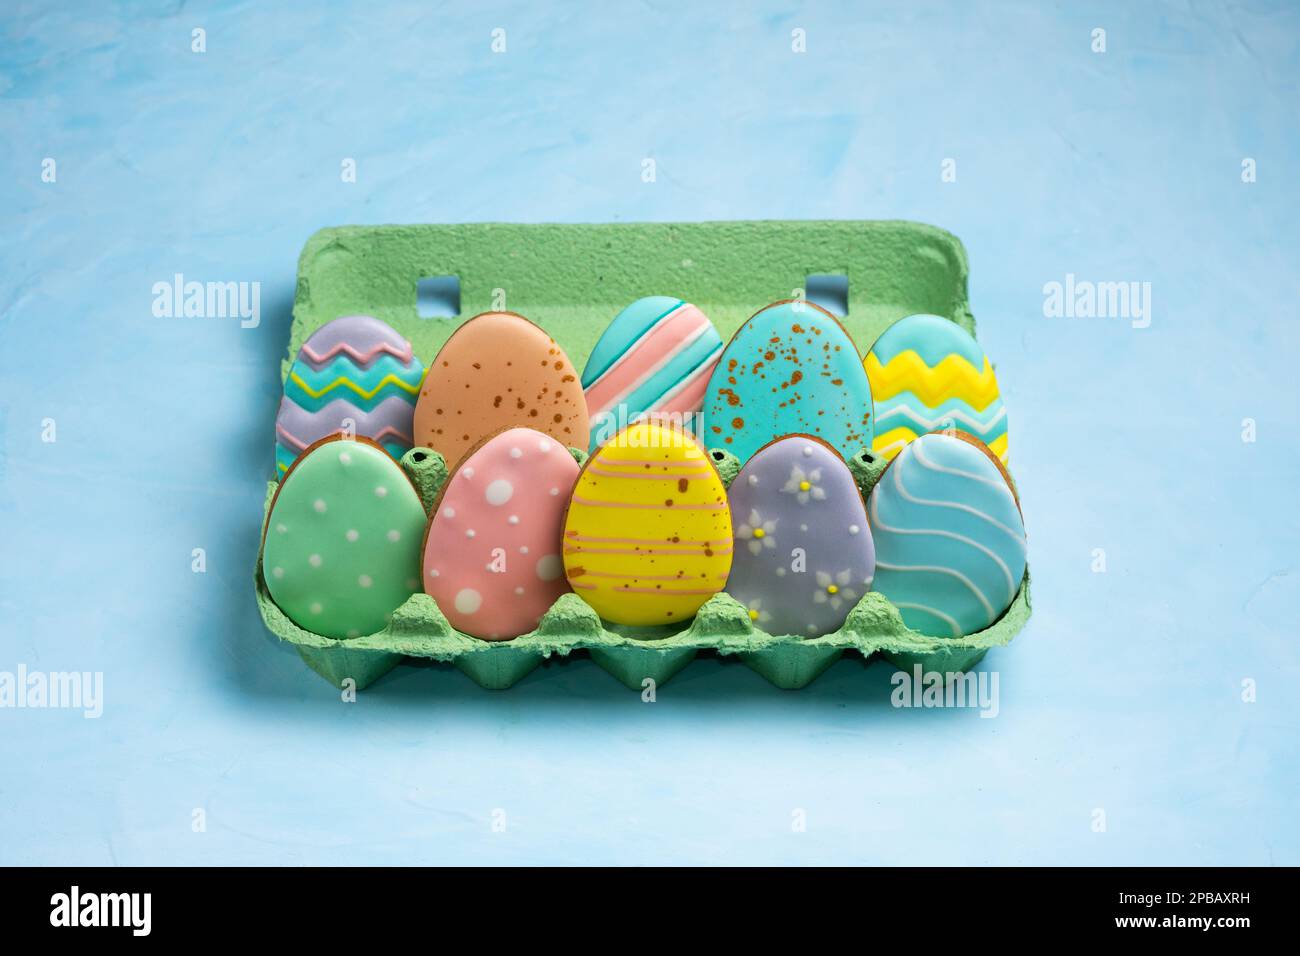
x: 343, y: 380
x: 890, y: 443
x: 954, y: 377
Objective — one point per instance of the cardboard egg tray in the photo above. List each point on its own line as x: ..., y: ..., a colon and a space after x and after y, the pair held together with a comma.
x: 571, y: 280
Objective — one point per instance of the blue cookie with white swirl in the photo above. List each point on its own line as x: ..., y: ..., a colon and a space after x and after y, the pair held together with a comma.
x: 949, y: 537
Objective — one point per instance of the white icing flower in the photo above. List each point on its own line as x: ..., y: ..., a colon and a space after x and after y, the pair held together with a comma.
x: 805, y: 485
x: 756, y: 612
x: 834, y: 589
x: 757, y: 532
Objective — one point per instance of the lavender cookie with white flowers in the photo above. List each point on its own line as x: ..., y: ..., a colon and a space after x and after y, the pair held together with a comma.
x: 803, y: 554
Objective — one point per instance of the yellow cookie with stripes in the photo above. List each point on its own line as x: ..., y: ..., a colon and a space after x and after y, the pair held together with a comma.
x: 647, y: 538
x: 929, y: 374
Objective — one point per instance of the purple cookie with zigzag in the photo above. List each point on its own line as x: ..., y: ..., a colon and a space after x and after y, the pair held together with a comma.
x: 354, y: 374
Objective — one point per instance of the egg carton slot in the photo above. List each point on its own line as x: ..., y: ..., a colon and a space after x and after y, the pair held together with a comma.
x: 569, y: 280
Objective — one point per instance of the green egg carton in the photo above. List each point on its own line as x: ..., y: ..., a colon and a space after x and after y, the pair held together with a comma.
x: 571, y: 280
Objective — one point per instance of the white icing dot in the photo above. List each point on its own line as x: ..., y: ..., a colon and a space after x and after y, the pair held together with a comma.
x: 277, y: 572
x: 315, y: 607
x: 544, y: 446
x: 433, y: 572
x: 281, y: 528
x: 519, y: 590
x: 803, y: 527
x: 807, y: 453
x: 353, y: 632
x: 549, y: 567
x: 364, y: 581
x: 499, y: 492
x: 314, y: 560
x: 345, y: 458
x: 448, y: 512
x: 469, y: 532
x: 753, y: 481
x: 380, y: 491
x: 467, y: 472
x: 352, y: 534
x: 319, y: 505
x: 555, y: 491
x: 523, y: 549
x: 513, y: 519
x: 812, y: 628
x: 468, y: 600
x: 516, y: 453
x: 394, y: 535
x: 854, y: 529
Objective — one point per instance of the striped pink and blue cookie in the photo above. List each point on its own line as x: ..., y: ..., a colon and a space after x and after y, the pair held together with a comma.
x: 354, y: 374
x: 655, y: 356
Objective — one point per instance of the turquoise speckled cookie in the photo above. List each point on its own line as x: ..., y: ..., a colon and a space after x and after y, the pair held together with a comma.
x: 791, y: 369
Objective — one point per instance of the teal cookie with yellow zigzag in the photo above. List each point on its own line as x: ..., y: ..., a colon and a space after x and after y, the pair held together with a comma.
x: 354, y: 375
x: 929, y: 374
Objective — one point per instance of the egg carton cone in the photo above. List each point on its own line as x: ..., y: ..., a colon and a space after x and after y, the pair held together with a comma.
x: 571, y: 280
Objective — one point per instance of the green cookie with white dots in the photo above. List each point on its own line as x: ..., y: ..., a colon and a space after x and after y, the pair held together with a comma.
x: 342, y: 543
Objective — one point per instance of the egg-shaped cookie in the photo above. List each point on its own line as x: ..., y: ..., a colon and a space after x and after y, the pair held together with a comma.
x: 950, y: 541
x: 647, y: 538
x: 929, y: 374
x: 355, y: 375
x: 492, y: 555
x: 655, y: 357
x: 497, y: 371
x: 791, y: 369
x: 341, y: 546
x: 803, y: 552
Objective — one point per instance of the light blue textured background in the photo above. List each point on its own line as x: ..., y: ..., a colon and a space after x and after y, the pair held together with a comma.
x: 1124, y: 693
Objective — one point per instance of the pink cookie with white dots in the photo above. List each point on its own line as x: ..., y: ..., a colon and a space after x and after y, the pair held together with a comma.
x: 492, y: 555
